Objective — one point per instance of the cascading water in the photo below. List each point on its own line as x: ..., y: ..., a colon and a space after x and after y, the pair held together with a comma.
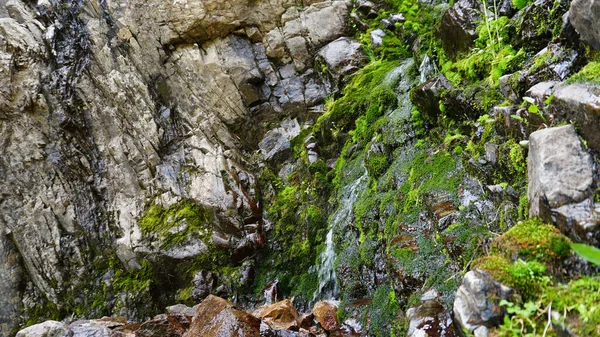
x: 328, y: 285
x: 427, y: 69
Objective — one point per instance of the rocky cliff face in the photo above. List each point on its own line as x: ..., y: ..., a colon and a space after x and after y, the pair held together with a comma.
x: 110, y: 108
x: 158, y: 152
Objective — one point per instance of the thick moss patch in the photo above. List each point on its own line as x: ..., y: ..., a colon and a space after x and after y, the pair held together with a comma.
x: 177, y: 224
x: 533, y: 240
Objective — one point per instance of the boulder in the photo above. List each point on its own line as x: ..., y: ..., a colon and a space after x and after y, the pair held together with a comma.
x: 457, y: 29
x: 89, y: 329
x: 560, y: 170
x: 529, y: 35
x: 580, y: 221
x: 476, y: 305
x: 579, y: 103
x: 216, y: 317
x: 377, y: 37
x: 326, y: 314
x: 276, y: 143
x: 164, y: 326
x: 281, y: 315
x: 181, y: 309
x: 584, y: 15
x: 342, y: 57
x: 46, y: 329
x: 553, y: 63
x: 429, y: 318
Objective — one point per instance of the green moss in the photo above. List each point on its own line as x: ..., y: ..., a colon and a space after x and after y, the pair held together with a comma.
x: 491, y: 59
x: 377, y: 164
x: 176, y: 224
x: 497, y: 266
x: 297, y: 143
x: 531, y: 239
x: 527, y: 277
x: 425, y: 174
x: 520, y: 4
x: 133, y: 284
x: 384, y: 311
x: 589, y: 74
x: 365, y: 94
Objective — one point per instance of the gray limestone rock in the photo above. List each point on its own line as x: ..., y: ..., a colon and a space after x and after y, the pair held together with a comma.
x: 585, y: 17
x: 560, y: 170
x: 580, y: 221
x: 581, y: 104
x: 45, y: 329
x: 342, y: 57
x: 277, y: 141
x: 144, y: 102
x: 88, y: 329
x: 476, y: 305
x: 377, y: 37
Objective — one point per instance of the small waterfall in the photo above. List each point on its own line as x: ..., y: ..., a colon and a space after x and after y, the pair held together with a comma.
x: 328, y: 285
x: 427, y: 69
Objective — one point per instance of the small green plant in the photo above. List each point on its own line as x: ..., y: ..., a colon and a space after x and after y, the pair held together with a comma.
x: 589, y: 253
x: 521, y: 321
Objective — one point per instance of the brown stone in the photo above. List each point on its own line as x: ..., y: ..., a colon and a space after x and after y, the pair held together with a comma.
x: 280, y: 316
x: 164, y: 326
x: 326, y: 314
x: 127, y: 330
x: 216, y: 317
x: 306, y: 321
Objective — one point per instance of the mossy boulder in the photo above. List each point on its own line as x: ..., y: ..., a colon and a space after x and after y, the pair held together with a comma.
x: 533, y: 240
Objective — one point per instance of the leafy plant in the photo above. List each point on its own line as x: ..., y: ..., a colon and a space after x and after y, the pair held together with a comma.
x: 533, y: 107
x: 522, y: 320
x: 589, y: 253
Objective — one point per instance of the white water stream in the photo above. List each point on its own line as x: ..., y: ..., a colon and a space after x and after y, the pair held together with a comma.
x: 328, y: 285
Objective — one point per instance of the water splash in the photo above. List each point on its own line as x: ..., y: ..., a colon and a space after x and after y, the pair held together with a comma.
x: 328, y: 285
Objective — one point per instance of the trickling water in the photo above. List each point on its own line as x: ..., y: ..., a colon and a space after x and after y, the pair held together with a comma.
x: 328, y: 285
x: 427, y: 69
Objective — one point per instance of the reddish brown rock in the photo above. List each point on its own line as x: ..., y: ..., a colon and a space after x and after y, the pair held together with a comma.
x: 127, y: 330
x: 164, y: 326
x: 216, y: 317
x: 326, y: 314
x: 281, y: 315
x: 306, y: 321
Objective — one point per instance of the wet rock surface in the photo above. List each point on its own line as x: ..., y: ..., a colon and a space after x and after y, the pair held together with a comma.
x: 457, y: 29
x: 429, y: 318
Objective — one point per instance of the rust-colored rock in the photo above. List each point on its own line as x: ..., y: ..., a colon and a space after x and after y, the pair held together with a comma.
x: 306, y: 321
x: 326, y: 314
x: 127, y: 330
x: 164, y: 326
x: 216, y: 317
x: 280, y: 316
